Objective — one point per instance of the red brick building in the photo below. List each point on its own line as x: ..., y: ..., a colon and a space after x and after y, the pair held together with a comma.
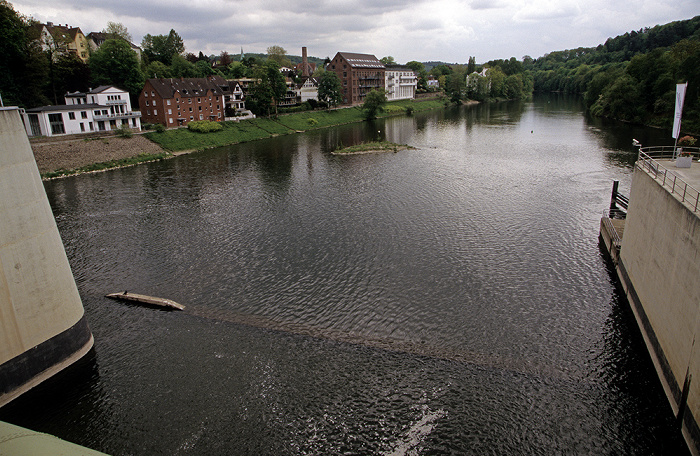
x: 175, y: 102
x: 358, y: 74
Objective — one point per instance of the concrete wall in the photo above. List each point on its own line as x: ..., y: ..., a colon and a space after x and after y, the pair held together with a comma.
x: 42, y: 326
x: 660, y: 270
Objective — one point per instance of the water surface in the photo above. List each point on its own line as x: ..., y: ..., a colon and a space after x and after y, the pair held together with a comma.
x: 450, y: 298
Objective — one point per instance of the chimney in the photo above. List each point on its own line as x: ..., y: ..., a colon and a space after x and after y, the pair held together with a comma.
x: 49, y: 24
x: 304, y: 63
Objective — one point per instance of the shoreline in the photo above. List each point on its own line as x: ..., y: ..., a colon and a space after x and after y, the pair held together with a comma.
x: 58, y: 157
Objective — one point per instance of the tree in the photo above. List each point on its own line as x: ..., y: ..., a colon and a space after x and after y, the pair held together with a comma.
x: 388, y: 60
x: 161, y: 47
x: 117, y: 30
x: 270, y: 87
x: 72, y: 74
x: 330, y: 90
x: 23, y: 66
x: 279, y: 55
x: 114, y: 63
x: 471, y: 66
x: 374, y: 103
x: 157, y: 70
x: 224, y: 59
x: 236, y: 70
x: 181, y: 68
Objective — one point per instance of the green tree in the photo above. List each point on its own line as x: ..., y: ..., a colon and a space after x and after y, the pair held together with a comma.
x: 117, y: 30
x: 114, y: 63
x: 72, y: 74
x: 181, y: 68
x: 162, y: 47
x: 388, y: 60
x: 374, y: 103
x: 330, y: 90
x: 157, y: 70
x: 23, y: 66
x: 471, y: 66
x: 279, y: 55
x: 236, y: 70
x: 270, y: 87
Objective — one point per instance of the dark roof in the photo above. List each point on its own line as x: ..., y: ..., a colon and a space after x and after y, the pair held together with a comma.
x: 398, y: 68
x: 189, y: 87
x: 303, y: 81
x: 102, y: 88
x: 361, y: 60
x: 80, y: 107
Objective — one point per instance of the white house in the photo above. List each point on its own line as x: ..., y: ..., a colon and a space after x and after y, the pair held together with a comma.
x: 102, y: 109
x: 307, y: 89
x: 400, y: 82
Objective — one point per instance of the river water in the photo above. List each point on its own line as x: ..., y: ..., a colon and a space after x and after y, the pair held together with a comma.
x: 448, y: 299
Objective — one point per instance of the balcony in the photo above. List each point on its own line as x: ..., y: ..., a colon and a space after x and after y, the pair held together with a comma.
x: 115, y: 102
x: 126, y: 115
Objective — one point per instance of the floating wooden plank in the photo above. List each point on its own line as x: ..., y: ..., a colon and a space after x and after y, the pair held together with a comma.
x: 148, y: 300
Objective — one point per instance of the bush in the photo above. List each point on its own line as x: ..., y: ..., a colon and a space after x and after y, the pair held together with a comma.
x: 409, y: 110
x: 159, y: 128
x: 311, y: 121
x: 124, y: 131
x: 204, y: 126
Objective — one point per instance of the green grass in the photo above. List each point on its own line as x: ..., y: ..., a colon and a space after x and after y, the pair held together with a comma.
x: 141, y: 158
x: 382, y: 146
x: 252, y: 129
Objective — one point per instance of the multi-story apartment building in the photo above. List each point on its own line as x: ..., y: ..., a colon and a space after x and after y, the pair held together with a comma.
x: 175, y: 102
x: 401, y: 82
x: 358, y: 74
x: 104, y: 108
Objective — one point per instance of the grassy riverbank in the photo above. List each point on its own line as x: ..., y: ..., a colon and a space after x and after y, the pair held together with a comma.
x: 249, y: 130
x: 110, y: 164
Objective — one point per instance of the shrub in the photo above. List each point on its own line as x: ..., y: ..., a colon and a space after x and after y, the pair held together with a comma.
x: 311, y: 121
x: 204, y: 126
x: 409, y: 110
x: 159, y: 128
x: 124, y: 131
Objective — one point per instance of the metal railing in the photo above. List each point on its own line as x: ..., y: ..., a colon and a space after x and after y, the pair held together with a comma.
x: 607, y: 221
x: 648, y: 161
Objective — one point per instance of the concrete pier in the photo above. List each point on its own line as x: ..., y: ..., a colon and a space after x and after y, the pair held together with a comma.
x: 42, y: 323
x: 658, y: 264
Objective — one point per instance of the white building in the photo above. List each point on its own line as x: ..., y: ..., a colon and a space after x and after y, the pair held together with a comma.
x: 400, y: 82
x: 105, y: 108
x: 307, y: 89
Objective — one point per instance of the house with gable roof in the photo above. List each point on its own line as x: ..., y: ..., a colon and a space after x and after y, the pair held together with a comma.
x: 359, y: 74
x: 175, y: 102
x: 64, y: 38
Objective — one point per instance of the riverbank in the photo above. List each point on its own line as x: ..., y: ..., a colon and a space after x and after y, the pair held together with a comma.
x: 57, y: 157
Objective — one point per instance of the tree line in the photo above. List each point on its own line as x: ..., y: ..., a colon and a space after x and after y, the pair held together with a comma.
x: 631, y: 77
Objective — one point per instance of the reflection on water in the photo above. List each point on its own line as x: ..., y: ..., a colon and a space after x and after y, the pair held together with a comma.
x: 446, y: 299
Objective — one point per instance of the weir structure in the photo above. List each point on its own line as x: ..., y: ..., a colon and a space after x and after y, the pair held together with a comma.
x: 655, y: 249
x: 42, y: 323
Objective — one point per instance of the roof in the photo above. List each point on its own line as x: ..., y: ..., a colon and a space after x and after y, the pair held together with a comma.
x: 398, y: 68
x: 189, y: 87
x: 80, y: 107
x: 361, y: 60
x: 303, y: 81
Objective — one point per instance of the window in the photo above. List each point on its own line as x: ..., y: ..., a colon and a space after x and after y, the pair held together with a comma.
x: 170, y: 111
x: 147, y: 103
x: 90, y: 125
x: 200, y: 109
x: 83, y: 114
x: 201, y: 116
x: 148, y: 112
x: 190, y: 108
x: 189, y: 100
x: 145, y: 94
x: 56, y: 122
x: 168, y: 101
x: 170, y: 120
x: 155, y: 112
x: 199, y: 100
x: 82, y: 127
x: 71, y: 115
x: 153, y: 94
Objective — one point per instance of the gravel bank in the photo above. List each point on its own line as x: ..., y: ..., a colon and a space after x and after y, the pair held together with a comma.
x: 52, y: 155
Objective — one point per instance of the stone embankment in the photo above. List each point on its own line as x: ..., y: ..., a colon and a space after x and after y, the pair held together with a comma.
x: 72, y: 152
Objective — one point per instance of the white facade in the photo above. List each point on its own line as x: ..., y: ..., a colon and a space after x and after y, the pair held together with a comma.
x: 105, y: 108
x: 400, y: 83
x: 308, y: 90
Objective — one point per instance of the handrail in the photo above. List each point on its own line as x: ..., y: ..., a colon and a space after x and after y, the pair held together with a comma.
x: 607, y: 220
x: 648, y: 161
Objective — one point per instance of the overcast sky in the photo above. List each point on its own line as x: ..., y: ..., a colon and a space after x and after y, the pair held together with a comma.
x: 446, y: 30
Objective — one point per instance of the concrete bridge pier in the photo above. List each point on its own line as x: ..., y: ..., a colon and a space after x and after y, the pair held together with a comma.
x: 42, y: 323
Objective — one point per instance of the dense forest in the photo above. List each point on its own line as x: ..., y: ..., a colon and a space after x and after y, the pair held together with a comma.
x: 631, y: 77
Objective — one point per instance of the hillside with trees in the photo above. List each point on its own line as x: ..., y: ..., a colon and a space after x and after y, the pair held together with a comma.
x: 631, y: 77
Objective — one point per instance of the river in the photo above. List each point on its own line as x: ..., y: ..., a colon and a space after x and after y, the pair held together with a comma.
x: 448, y: 299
